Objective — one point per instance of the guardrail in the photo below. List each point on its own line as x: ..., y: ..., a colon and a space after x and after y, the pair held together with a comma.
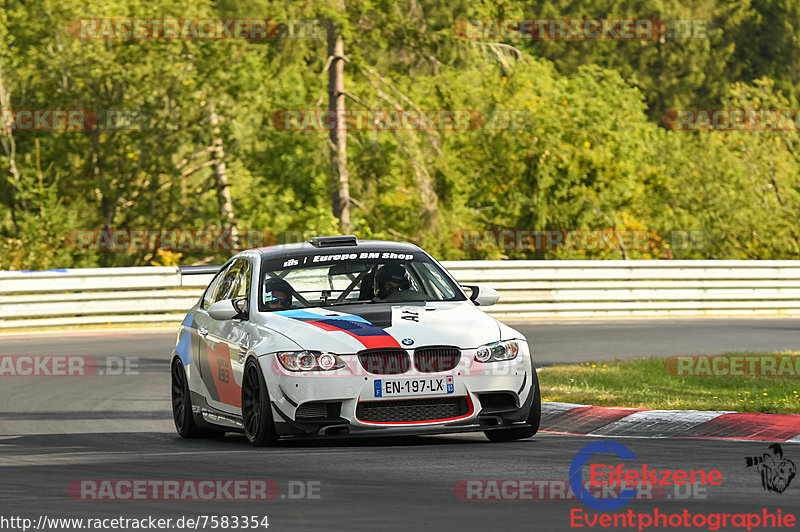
x: 528, y: 289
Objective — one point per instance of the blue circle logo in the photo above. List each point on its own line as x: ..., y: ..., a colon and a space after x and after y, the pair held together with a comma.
x: 407, y: 341
x: 576, y: 475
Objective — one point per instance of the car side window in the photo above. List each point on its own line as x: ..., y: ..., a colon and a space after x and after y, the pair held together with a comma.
x: 235, y: 282
x: 227, y: 285
x: 211, y: 289
x: 242, y: 285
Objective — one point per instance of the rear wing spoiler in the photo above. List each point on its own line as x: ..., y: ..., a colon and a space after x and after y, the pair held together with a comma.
x: 200, y: 270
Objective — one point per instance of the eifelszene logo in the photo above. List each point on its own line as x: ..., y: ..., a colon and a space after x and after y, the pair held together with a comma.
x: 626, y: 478
x: 576, y: 475
x: 776, y: 471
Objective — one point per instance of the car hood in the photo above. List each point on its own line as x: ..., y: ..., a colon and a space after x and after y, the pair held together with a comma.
x: 352, y: 328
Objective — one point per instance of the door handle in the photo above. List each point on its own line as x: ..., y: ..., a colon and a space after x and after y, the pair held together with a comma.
x: 202, y: 331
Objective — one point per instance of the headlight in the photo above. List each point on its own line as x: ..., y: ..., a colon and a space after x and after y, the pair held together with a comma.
x: 497, y: 351
x: 327, y: 361
x: 309, y: 361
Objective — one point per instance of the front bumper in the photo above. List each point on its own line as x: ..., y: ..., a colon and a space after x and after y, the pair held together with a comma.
x: 491, y: 395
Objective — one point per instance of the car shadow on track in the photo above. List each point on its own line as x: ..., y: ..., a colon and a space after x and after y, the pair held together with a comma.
x: 156, y: 441
x: 374, y: 441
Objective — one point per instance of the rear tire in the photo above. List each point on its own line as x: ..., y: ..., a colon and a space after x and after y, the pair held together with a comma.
x: 534, y: 418
x: 259, y: 427
x: 182, y: 406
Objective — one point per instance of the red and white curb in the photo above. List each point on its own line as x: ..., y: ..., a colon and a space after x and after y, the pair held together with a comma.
x: 587, y: 420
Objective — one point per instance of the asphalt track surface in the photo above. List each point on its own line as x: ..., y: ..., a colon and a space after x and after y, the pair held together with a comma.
x: 58, y: 430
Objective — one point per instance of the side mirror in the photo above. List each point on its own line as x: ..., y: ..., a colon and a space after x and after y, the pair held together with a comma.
x: 483, y: 296
x: 228, y: 309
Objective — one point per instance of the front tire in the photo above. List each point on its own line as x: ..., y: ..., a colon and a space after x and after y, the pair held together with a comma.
x: 259, y: 427
x: 534, y: 419
x: 182, y: 406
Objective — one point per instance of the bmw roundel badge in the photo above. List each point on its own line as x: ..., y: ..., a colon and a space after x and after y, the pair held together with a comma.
x: 407, y: 341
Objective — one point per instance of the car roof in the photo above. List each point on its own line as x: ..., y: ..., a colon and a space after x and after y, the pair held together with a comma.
x: 362, y: 246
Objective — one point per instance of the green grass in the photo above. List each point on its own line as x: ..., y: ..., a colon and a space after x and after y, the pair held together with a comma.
x: 645, y: 383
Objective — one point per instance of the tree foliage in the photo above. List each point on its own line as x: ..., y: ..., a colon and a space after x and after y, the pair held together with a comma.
x: 572, y: 134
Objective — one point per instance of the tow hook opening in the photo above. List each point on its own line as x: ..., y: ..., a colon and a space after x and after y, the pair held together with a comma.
x: 328, y: 431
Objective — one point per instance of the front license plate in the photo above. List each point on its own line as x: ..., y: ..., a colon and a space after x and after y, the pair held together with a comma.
x: 407, y: 387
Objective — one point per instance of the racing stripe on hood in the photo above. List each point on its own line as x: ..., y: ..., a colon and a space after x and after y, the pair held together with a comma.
x: 377, y: 315
x: 370, y: 336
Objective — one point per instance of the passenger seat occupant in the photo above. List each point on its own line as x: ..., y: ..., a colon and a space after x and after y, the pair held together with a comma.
x: 277, y: 294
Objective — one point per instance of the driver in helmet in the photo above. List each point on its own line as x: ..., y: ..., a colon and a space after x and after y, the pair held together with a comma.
x: 277, y: 294
x: 392, y: 278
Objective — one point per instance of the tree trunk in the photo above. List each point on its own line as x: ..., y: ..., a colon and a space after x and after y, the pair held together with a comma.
x: 430, y: 202
x: 427, y: 191
x: 221, y: 176
x: 340, y: 185
x: 10, y: 149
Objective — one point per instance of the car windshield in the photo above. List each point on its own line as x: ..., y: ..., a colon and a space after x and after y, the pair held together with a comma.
x: 332, y: 278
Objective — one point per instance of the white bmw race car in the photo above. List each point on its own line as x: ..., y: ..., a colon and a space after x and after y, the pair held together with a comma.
x: 339, y: 337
